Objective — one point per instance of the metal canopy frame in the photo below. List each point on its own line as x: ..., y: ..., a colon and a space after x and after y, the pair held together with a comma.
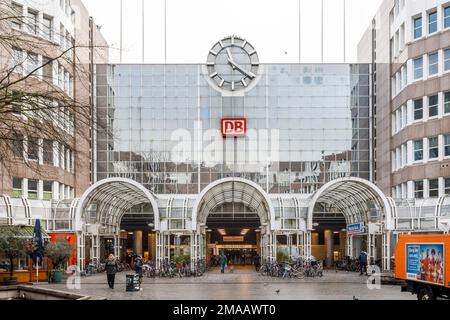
x: 352, y: 196
x: 114, y: 197
x: 233, y: 190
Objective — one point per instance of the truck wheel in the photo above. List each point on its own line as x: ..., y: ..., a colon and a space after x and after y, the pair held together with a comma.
x: 426, y: 293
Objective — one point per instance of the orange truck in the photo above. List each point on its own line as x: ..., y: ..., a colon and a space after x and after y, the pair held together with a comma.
x: 423, y: 263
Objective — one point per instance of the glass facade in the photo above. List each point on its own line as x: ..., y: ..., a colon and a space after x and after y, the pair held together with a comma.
x: 160, y: 125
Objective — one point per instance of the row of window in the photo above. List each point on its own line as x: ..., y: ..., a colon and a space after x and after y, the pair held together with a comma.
x: 43, y: 110
x: 29, y: 20
x: 432, y: 24
x: 422, y: 24
x: 45, y: 152
x: 65, y: 6
x: 421, y: 109
x: 434, y: 63
x: 398, y: 41
x: 43, y: 68
x: 422, y: 150
x: 41, y: 189
x: 424, y: 67
x: 422, y: 189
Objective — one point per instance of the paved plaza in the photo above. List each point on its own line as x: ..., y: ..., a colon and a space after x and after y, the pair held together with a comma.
x: 242, y: 284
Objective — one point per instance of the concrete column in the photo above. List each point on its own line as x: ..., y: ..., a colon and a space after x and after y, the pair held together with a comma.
x: 329, y: 245
x: 152, y: 246
x: 137, y: 242
x: 258, y: 243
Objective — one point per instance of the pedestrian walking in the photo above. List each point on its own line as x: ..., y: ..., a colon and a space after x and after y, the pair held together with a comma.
x: 223, y: 262
x: 363, y: 262
x: 257, y: 261
x: 138, y: 266
x: 111, y: 269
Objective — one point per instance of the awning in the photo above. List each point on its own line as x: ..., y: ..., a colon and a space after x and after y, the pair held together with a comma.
x: 24, y: 232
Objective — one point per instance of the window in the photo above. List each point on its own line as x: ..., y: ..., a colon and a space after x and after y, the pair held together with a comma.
x: 447, y: 145
x: 47, y: 69
x: 447, y: 186
x: 32, y: 63
x: 68, y: 40
x: 432, y: 22
x: 47, y: 27
x: 447, y: 17
x: 32, y: 189
x: 60, y: 76
x: 61, y: 156
x: 32, y: 21
x: 405, y: 75
x: 418, y: 68
x: 17, y: 11
x: 67, y: 7
x: 33, y: 149
x: 418, y: 150
x: 18, y: 147
x: 48, y: 190
x: 17, y: 187
x: 447, y: 102
x: 16, y: 103
x: 447, y: 59
x: 70, y: 86
x: 17, y: 60
x: 433, y: 106
x: 433, y: 63
x: 418, y: 189
x: 418, y: 109
x: 417, y: 27
x: 62, y: 39
x: 433, y: 148
x: 433, y: 188
x: 48, y: 152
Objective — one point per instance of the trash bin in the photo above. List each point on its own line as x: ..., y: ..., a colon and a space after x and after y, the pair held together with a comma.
x: 132, y: 282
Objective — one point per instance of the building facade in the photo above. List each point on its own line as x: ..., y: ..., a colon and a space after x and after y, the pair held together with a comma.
x: 285, y: 160
x: 47, y: 61
x: 160, y: 126
x: 412, y: 104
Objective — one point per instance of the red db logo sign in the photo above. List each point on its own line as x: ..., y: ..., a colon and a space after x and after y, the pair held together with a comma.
x: 236, y: 127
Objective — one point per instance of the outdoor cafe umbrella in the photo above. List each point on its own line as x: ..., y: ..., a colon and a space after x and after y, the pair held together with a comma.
x: 38, y: 246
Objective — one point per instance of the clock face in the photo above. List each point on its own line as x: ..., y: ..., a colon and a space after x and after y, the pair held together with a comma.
x: 233, y: 64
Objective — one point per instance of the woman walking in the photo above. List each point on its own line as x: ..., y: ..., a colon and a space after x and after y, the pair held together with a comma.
x: 111, y: 269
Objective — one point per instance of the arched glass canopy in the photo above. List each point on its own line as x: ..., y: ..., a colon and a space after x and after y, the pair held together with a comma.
x: 357, y: 199
x: 231, y: 190
x: 106, y: 202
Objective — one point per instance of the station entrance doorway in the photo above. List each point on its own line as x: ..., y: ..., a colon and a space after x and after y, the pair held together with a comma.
x: 363, y: 214
x: 233, y: 229
x: 233, y: 216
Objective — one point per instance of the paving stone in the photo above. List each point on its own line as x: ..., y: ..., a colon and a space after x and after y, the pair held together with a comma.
x: 242, y: 284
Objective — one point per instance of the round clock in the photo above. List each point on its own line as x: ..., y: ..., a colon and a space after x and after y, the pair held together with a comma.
x: 233, y: 64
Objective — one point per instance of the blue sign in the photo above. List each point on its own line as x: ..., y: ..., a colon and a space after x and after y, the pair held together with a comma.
x: 355, y: 228
x: 425, y: 263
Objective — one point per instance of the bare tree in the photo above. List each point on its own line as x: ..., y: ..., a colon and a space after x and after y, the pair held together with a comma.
x: 44, y: 90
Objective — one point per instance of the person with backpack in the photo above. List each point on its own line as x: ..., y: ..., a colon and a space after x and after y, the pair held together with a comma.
x: 111, y: 268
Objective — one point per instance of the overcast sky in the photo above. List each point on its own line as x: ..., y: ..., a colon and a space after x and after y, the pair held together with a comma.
x: 272, y: 26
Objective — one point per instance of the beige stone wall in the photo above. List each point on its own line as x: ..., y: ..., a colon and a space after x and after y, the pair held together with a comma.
x: 79, y: 66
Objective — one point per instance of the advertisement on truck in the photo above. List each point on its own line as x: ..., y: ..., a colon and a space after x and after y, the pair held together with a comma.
x: 425, y: 263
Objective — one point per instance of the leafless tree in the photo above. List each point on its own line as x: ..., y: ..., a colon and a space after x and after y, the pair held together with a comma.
x: 35, y: 105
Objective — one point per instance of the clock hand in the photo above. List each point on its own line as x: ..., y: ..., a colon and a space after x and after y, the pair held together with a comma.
x: 250, y: 74
x: 230, y: 57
